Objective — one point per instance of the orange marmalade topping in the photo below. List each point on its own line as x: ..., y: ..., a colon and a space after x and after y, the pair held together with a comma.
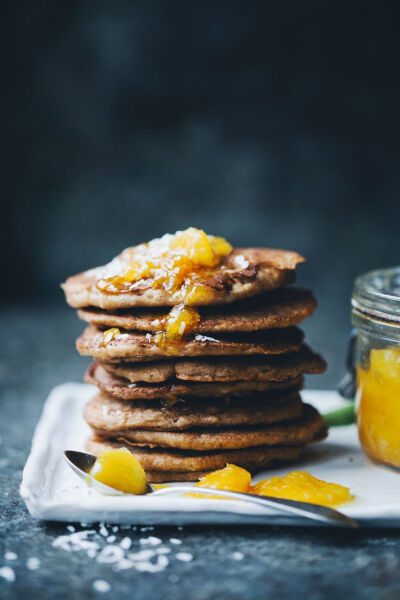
x: 231, y: 478
x: 108, y: 335
x: 178, y: 263
x: 120, y: 470
x: 179, y: 321
x: 301, y: 486
x: 378, y: 406
x: 298, y: 485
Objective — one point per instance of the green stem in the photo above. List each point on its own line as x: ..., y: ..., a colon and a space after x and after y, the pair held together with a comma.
x: 341, y: 416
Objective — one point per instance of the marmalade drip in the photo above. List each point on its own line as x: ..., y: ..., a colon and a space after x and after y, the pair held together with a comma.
x: 180, y: 264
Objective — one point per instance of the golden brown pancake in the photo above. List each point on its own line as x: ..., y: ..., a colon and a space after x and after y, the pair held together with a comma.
x: 107, y: 414
x: 122, y: 389
x: 294, y: 433
x: 196, y: 464
x: 277, y: 309
x: 241, y: 274
x: 138, y: 346
x: 224, y: 369
x: 157, y: 371
x: 160, y: 476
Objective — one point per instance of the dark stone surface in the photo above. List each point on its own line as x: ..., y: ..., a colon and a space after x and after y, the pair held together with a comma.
x: 268, y: 123
x: 37, y: 353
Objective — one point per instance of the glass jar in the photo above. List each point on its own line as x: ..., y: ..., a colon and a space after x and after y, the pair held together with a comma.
x: 376, y: 360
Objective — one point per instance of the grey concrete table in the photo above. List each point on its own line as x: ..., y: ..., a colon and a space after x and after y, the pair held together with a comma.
x: 38, y: 353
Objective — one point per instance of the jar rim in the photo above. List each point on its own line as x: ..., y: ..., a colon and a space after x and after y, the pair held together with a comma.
x: 377, y: 294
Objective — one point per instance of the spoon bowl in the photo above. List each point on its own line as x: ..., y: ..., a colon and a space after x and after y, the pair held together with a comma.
x: 81, y: 463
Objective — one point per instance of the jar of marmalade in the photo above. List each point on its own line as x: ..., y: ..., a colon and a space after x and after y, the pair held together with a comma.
x: 376, y: 360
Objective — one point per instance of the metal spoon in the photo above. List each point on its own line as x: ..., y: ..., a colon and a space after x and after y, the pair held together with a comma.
x: 81, y: 463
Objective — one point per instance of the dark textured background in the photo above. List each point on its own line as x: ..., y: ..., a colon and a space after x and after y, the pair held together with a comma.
x: 270, y: 123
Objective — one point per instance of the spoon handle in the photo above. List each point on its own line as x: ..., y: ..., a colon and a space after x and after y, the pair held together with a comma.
x: 323, y: 514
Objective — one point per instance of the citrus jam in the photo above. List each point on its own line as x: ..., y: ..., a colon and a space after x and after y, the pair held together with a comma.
x: 180, y: 321
x: 298, y: 485
x: 108, y: 335
x: 232, y: 478
x: 378, y: 405
x: 301, y: 486
x: 178, y: 263
x: 120, y: 470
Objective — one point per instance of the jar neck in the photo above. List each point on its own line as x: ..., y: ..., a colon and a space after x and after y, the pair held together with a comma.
x: 374, y: 326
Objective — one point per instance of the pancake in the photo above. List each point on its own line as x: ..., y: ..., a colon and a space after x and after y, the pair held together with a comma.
x: 122, y: 389
x: 159, y: 476
x: 138, y: 346
x: 241, y: 274
x: 157, y: 371
x: 281, y: 308
x: 249, y: 368
x: 189, y: 464
x: 107, y: 414
x: 294, y: 433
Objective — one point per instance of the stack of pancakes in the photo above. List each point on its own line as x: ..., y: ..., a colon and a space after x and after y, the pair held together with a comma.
x: 227, y: 392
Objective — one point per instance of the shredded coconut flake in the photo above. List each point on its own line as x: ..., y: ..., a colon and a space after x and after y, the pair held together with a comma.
x: 7, y: 573
x: 123, y: 564
x: 151, y: 541
x: 204, y: 338
x: 10, y: 556
x: 33, y: 563
x: 101, y: 586
x: 77, y: 541
x: 126, y: 543
x: 150, y: 567
x: 141, y: 555
x: 184, y: 556
x: 100, y: 546
x: 110, y: 554
x: 175, y: 541
x: 241, y: 261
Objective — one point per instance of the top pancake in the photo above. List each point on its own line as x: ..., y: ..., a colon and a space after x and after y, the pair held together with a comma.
x: 241, y: 274
x: 277, y: 309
